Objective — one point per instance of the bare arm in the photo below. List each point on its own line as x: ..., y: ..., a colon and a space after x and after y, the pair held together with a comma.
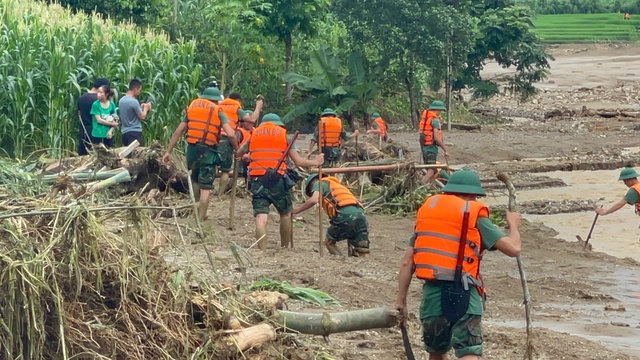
x: 617, y: 206
x: 374, y: 131
x: 145, y: 110
x: 511, y: 245
x: 256, y: 112
x: 231, y: 135
x: 172, y: 142
x: 404, y: 280
x: 439, y: 142
x: 300, y: 161
x: 104, y: 122
x: 315, y: 197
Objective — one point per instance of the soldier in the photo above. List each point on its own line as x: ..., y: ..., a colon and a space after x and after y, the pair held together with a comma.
x: 203, y: 124
x: 345, y: 212
x: 332, y: 135
x: 266, y: 147
x: 452, y: 295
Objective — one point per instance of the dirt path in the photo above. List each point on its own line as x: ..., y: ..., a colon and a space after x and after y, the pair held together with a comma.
x: 574, y: 291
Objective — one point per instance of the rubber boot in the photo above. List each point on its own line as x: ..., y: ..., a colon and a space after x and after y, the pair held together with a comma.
x: 224, y: 180
x: 285, y: 232
x: 262, y: 244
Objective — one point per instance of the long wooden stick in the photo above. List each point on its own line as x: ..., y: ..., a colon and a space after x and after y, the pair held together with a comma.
x: 320, y: 236
x: 398, y: 166
x: 523, y: 277
x: 232, y: 204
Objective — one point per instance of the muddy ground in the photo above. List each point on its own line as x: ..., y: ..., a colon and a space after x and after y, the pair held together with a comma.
x: 573, y: 291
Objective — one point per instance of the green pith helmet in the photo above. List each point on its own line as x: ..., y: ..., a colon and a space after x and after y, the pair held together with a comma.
x: 272, y: 118
x: 211, y: 93
x: 437, y: 105
x: 328, y: 111
x: 375, y: 116
x: 464, y: 182
x: 307, y: 183
x: 628, y: 173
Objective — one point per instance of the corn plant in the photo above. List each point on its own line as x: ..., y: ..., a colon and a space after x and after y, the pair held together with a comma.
x: 49, y: 57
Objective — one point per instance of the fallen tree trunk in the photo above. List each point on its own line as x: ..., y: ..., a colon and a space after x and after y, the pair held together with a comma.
x: 467, y: 127
x: 326, y: 323
x: 390, y: 167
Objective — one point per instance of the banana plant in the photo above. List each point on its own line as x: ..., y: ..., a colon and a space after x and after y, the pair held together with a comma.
x: 347, y: 92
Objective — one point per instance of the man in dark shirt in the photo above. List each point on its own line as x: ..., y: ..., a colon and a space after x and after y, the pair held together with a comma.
x: 84, y: 115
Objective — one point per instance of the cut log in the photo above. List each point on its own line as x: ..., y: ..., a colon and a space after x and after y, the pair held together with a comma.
x: 265, y: 299
x: 326, y: 323
x: 251, y: 337
x: 126, y: 151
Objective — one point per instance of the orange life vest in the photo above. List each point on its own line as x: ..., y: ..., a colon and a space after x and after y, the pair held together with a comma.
x: 340, y: 197
x: 268, y: 143
x: 636, y: 187
x: 246, y: 135
x: 203, y: 122
x: 230, y: 108
x: 427, y: 130
x: 438, y: 230
x: 382, y: 126
x: 330, y: 130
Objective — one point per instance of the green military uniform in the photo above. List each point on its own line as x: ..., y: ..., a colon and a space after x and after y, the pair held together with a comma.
x: 439, y: 335
x: 280, y: 195
x: 350, y: 223
x: 225, y: 150
x: 430, y: 152
x: 331, y: 153
x: 203, y: 160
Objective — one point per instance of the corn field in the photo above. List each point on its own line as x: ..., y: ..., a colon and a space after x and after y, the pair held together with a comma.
x: 49, y: 57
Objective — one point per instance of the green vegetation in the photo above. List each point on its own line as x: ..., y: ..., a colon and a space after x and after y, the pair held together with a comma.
x: 576, y: 28
x: 337, y: 54
x: 50, y: 57
x: 295, y: 292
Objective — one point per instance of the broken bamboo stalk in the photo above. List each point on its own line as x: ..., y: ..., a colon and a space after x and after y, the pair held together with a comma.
x: 331, y: 323
x: 320, y: 235
x: 127, y: 150
x: 122, y: 176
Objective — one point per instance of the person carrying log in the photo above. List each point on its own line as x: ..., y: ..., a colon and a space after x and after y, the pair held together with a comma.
x: 232, y: 109
x: 267, y: 149
x: 452, y: 231
x: 204, y: 124
x: 379, y: 126
x: 332, y: 134
x: 431, y: 137
x: 630, y: 178
x: 345, y: 212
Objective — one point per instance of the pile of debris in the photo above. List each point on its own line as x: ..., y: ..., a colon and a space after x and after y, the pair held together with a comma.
x: 86, y: 277
x: 369, y: 148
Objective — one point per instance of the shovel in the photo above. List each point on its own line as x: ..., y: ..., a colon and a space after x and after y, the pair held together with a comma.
x: 593, y: 224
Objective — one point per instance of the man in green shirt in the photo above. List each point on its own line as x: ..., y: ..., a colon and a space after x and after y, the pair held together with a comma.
x: 346, y: 215
x: 463, y: 333
x: 632, y: 197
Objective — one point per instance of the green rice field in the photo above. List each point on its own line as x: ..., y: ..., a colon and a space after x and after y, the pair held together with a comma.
x: 584, y: 28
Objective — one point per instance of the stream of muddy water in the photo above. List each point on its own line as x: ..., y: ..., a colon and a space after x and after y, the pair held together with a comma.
x: 617, y: 234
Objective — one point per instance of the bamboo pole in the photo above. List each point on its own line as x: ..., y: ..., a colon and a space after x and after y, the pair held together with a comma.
x: 398, y: 166
x: 326, y: 323
x: 512, y: 206
x: 320, y: 139
x: 232, y: 203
